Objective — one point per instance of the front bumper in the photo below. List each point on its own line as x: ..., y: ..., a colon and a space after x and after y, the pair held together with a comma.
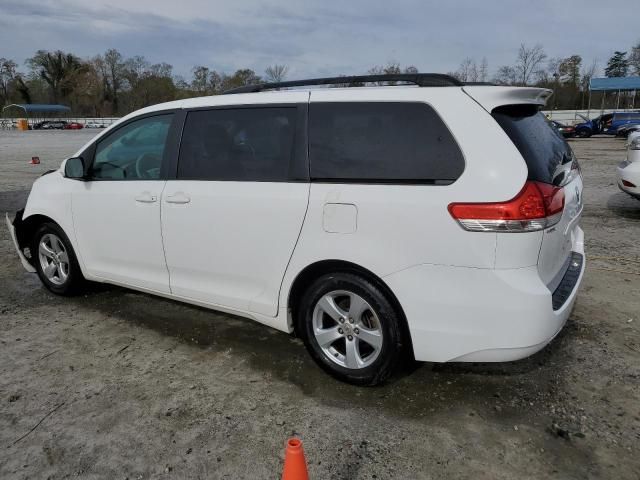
x: 629, y: 171
x: 483, y: 315
x: 12, y: 231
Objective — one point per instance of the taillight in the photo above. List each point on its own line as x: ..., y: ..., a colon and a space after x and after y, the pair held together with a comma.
x: 536, y: 207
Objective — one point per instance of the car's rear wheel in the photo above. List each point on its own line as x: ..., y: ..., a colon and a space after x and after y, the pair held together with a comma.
x: 351, y: 329
x: 55, y: 260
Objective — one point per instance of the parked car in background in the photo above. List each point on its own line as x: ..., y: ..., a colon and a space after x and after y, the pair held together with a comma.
x: 567, y: 131
x: 629, y: 170
x: 373, y: 222
x: 93, y: 124
x: 50, y: 125
x: 40, y: 125
x: 73, y: 126
x: 608, y: 123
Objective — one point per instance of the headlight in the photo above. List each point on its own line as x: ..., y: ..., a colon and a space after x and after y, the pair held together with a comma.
x: 635, y: 143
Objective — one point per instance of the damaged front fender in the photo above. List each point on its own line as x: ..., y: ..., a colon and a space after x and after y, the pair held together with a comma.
x: 14, y: 230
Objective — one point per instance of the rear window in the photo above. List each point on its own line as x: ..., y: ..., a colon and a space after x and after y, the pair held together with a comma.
x: 544, y: 149
x: 381, y: 142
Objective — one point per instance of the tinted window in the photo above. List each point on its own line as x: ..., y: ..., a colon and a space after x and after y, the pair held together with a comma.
x: 542, y: 146
x: 133, y: 152
x: 387, y: 142
x: 244, y: 144
x: 626, y: 116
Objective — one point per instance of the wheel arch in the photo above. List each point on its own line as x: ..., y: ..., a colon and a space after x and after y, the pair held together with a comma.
x: 588, y: 131
x: 27, y: 227
x: 307, y: 275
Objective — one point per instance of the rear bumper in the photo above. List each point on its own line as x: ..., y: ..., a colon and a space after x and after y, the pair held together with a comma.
x: 12, y: 231
x: 483, y: 315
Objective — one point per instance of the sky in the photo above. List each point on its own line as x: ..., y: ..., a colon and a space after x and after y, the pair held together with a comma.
x: 318, y: 37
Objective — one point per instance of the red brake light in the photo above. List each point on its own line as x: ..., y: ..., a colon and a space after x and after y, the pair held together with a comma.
x: 553, y: 198
x: 537, y: 206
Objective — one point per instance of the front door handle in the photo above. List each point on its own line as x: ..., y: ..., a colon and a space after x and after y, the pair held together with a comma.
x: 178, y: 197
x: 146, y: 197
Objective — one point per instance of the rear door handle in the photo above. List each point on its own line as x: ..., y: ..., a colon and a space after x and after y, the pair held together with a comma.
x: 178, y: 197
x: 146, y: 197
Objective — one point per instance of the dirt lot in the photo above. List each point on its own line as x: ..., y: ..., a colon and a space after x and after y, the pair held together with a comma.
x: 117, y: 384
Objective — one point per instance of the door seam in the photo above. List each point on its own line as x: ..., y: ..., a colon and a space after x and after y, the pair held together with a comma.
x: 306, y: 210
x: 164, y: 250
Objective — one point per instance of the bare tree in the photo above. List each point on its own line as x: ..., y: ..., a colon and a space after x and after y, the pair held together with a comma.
x: 634, y: 59
x: 470, y: 71
x: 115, y: 67
x: 391, y: 68
x: 467, y: 72
x: 529, y: 62
x: 7, y: 77
x: 200, y: 82
x: 588, y: 73
x: 551, y: 73
x: 276, y: 73
x: 505, y: 75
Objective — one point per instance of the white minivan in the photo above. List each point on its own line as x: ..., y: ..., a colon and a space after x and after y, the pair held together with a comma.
x: 419, y: 218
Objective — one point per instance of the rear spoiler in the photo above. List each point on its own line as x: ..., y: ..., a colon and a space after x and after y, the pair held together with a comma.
x: 496, y: 96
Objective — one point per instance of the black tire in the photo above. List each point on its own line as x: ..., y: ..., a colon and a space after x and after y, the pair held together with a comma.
x: 584, y: 133
x: 74, y: 280
x: 391, y: 355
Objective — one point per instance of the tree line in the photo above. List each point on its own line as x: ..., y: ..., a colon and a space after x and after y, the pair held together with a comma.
x: 569, y: 77
x: 110, y: 84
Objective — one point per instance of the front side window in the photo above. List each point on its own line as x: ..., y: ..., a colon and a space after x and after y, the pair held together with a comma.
x: 381, y: 142
x: 241, y: 144
x: 133, y: 152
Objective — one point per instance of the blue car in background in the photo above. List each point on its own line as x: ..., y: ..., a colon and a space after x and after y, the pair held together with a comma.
x: 608, y: 123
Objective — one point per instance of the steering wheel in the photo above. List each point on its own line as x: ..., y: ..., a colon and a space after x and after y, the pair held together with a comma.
x: 147, y: 165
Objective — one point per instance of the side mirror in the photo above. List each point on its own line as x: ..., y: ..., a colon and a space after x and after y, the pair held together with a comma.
x: 74, y: 168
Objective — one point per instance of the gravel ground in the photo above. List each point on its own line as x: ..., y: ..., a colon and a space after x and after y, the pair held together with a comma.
x: 117, y: 384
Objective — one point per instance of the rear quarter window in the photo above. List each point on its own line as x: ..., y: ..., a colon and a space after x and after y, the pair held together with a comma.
x: 375, y: 142
x: 540, y: 144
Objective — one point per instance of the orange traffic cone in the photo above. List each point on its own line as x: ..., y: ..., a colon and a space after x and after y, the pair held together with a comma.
x: 295, y: 466
x: 35, y: 161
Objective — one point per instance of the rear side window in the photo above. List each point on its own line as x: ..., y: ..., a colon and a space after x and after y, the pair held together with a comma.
x: 243, y: 144
x: 381, y: 142
x: 544, y: 149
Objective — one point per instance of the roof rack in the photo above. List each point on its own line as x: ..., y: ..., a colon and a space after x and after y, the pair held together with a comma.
x: 420, y: 79
x: 480, y: 84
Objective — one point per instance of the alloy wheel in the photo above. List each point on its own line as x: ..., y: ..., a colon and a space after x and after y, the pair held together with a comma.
x: 54, y: 259
x: 347, y: 329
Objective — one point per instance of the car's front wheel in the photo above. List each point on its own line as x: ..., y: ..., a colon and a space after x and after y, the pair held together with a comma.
x: 55, y: 260
x: 584, y: 133
x: 351, y: 329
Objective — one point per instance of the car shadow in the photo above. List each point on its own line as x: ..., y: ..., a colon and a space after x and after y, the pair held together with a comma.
x: 624, y: 205
x: 421, y: 389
